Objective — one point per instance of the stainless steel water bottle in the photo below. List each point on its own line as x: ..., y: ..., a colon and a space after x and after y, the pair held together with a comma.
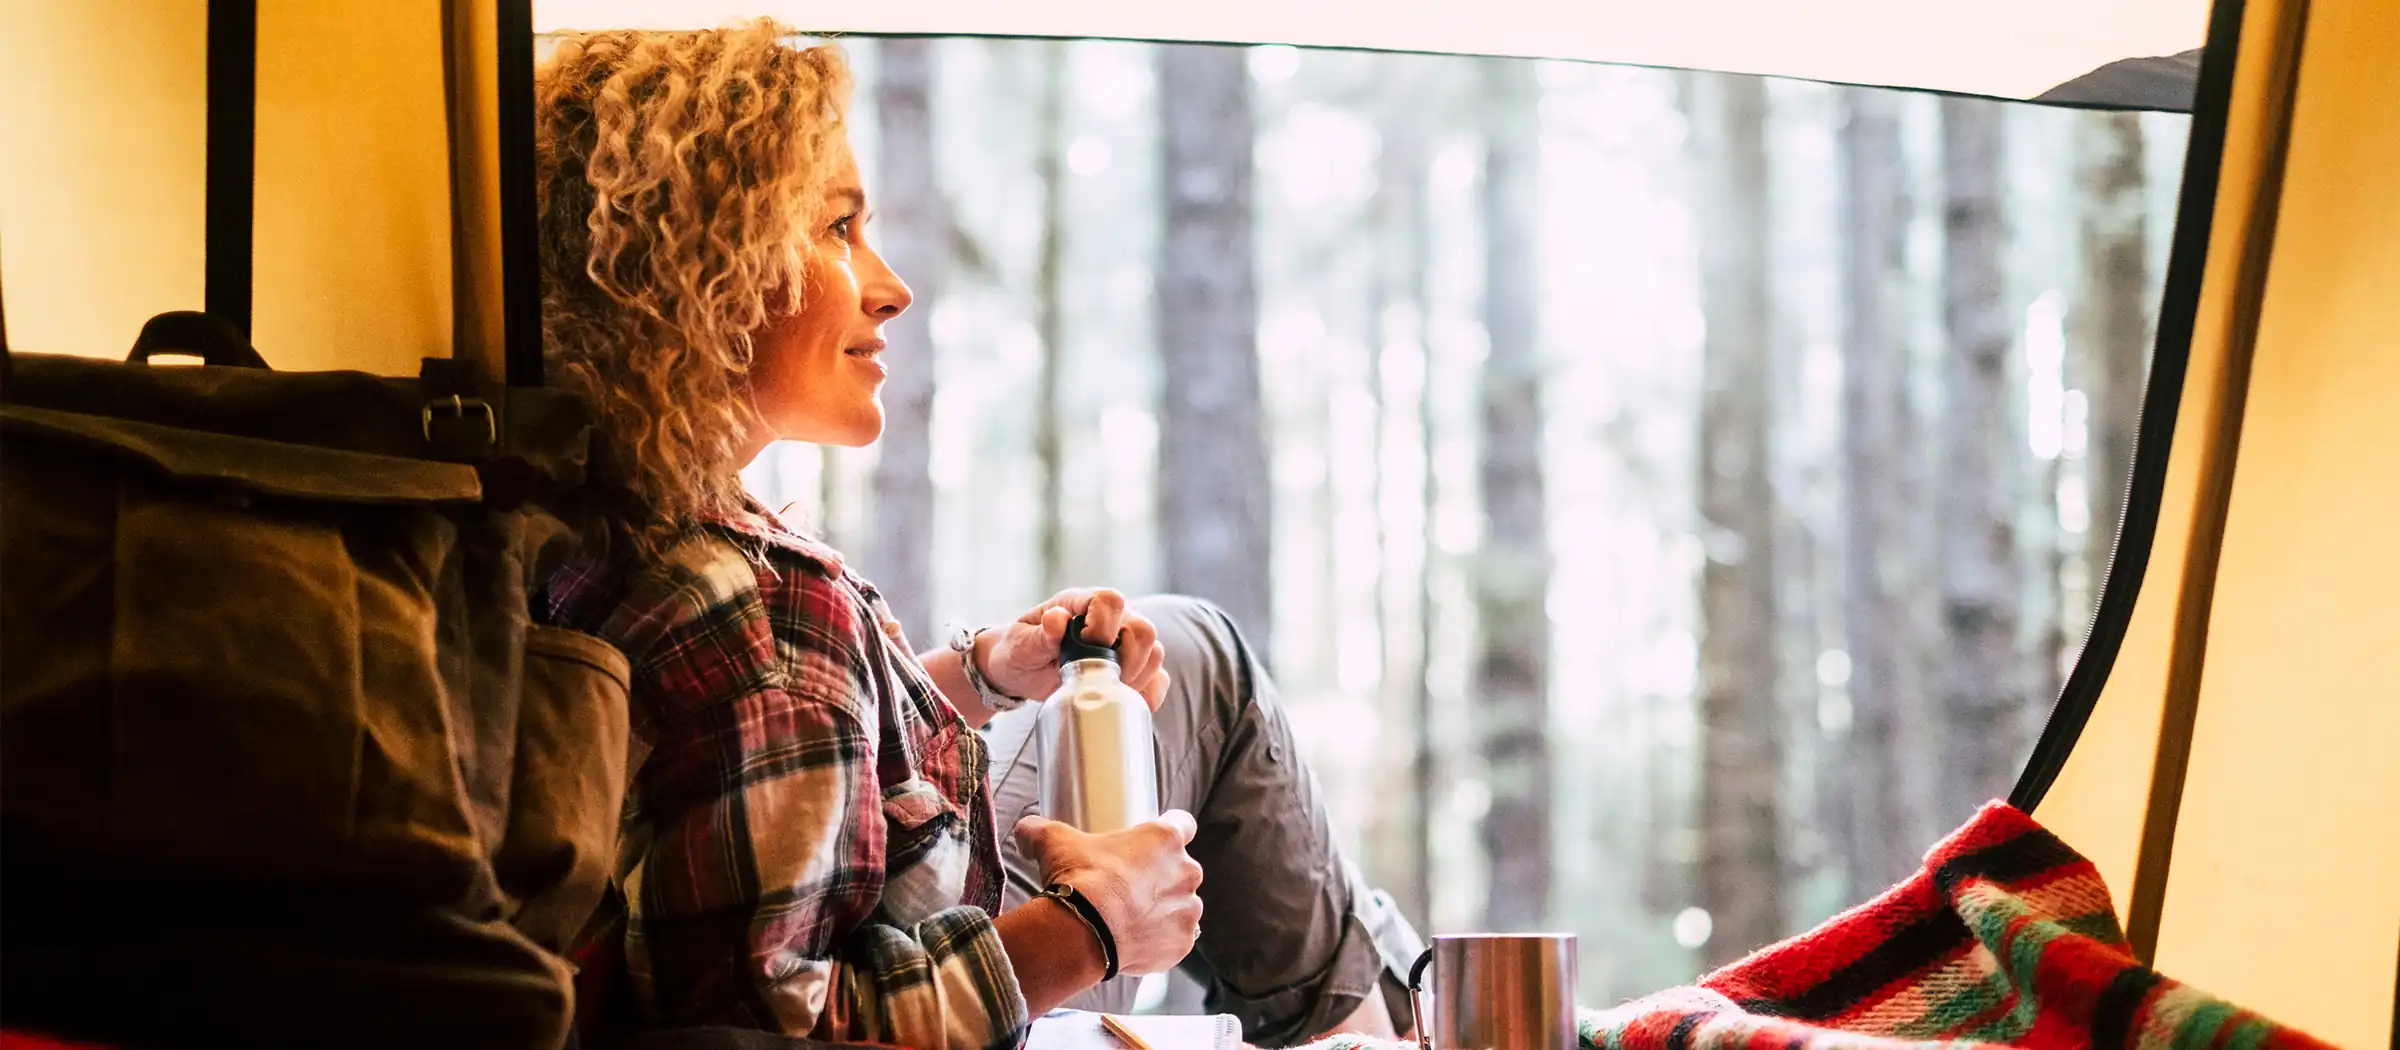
x: 1099, y: 769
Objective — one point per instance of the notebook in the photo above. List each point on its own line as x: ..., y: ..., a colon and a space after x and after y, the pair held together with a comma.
x: 1080, y: 1030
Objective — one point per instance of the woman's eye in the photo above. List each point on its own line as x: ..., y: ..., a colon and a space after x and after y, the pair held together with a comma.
x: 841, y: 226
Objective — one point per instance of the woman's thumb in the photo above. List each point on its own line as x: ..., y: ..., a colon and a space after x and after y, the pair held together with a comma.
x: 1033, y: 836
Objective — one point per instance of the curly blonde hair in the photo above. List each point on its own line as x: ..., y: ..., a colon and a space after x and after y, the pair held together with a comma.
x: 680, y: 174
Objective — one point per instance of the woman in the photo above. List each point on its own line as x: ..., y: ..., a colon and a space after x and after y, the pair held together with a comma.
x: 810, y: 844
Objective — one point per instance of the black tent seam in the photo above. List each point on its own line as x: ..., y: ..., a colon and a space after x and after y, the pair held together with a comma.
x: 1355, y: 49
x: 231, y: 166
x: 2179, y: 309
x: 520, y: 272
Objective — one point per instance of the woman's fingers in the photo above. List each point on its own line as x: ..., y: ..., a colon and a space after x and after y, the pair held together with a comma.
x: 1149, y: 676
x: 1103, y: 616
x: 1137, y: 643
x: 1154, y: 689
x: 1073, y: 600
x: 1053, y: 619
x: 1107, y: 620
x: 1103, y: 611
x: 1180, y: 825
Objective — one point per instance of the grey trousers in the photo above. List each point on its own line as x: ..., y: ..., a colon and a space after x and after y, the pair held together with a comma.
x: 1292, y: 940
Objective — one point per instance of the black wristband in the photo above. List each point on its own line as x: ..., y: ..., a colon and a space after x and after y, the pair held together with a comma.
x: 1082, y: 906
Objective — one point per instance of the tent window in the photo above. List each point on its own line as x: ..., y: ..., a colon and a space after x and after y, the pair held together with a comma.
x: 1678, y: 495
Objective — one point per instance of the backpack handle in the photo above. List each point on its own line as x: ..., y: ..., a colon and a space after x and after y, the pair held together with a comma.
x: 211, y: 338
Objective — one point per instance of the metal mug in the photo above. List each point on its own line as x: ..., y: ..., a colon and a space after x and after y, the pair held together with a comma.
x: 1496, y: 991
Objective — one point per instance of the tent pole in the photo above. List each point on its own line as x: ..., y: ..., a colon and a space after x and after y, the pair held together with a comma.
x: 487, y: 69
x: 2188, y: 649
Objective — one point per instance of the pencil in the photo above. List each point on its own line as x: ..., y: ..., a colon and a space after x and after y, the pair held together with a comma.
x: 1117, y: 1028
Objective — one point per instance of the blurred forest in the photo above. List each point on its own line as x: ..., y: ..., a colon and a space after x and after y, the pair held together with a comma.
x: 1669, y: 501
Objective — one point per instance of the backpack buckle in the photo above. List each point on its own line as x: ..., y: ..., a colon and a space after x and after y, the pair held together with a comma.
x: 459, y: 408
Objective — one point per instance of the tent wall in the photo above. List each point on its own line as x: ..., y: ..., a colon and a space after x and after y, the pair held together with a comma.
x: 2284, y: 892
x: 2273, y: 868
x: 353, y: 260
x: 102, y: 147
x: 102, y: 150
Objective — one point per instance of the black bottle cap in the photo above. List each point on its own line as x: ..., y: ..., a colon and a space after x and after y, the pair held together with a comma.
x: 1076, y: 647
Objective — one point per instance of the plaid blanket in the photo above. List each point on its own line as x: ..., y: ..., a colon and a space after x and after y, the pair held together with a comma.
x: 2005, y: 938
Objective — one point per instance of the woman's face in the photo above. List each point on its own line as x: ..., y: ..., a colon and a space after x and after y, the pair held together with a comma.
x: 816, y: 375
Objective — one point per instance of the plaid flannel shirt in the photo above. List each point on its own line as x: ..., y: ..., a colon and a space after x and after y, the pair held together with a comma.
x: 808, y: 845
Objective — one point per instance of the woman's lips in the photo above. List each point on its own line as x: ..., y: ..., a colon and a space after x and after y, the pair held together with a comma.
x: 870, y: 355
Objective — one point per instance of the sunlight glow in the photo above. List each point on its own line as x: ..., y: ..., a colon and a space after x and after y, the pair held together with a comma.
x: 1833, y: 668
x: 1693, y: 927
x: 2075, y: 510
x: 1274, y: 63
x: 1088, y: 156
x: 2045, y: 375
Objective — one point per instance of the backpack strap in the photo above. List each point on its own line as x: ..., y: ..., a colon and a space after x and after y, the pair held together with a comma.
x: 232, y: 160
x: 520, y: 219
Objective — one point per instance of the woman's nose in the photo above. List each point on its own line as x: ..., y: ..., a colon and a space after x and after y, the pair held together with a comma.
x: 884, y: 295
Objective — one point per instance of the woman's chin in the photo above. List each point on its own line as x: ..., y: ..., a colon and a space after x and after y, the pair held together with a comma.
x: 857, y: 430
x: 865, y: 431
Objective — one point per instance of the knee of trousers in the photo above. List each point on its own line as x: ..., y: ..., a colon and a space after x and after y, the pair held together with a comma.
x: 1188, y: 614
x: 1206, y: 651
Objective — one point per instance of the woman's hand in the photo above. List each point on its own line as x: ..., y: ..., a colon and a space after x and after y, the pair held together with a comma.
x: 1022, y: 657
x: 1141, y: 880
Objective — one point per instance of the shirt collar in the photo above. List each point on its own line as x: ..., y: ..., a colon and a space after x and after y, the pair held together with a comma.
x: 755, y: 522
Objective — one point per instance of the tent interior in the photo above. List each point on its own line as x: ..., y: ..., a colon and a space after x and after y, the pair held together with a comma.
x: 2222, y: 745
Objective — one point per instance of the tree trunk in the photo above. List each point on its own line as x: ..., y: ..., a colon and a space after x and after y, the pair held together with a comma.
x: 899, y: 552
x: 830, y: 506
x: 1511, y: 669
x: 2110, y: 335
x: 1050, y: 167
x: 1741, y: 877
x: 1403, y: 833
x: 2047, y: 600
x: 1213, y: 481
x: 1983, y: 680
x: 1884, y: 792
x: 1427, y: 768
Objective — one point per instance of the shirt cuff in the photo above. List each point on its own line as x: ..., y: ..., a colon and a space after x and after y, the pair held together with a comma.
x: 945, y: 983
